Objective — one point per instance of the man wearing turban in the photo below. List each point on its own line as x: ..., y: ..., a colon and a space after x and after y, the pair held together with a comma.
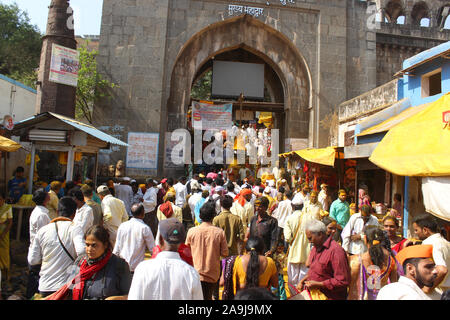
x: 420, y: 272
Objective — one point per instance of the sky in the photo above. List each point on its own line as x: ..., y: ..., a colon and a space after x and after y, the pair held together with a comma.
x: 87, y: 14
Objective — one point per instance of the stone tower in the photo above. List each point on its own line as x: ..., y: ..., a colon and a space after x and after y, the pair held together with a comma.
x: 51, y: 96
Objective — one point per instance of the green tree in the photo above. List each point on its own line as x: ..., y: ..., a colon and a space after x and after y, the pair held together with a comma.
x: 202, y: 87
x: 20, y: 45
x: 91, y: 85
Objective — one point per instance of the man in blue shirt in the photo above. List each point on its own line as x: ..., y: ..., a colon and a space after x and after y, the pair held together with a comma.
x: 340, y: 209
x: 17, y: 185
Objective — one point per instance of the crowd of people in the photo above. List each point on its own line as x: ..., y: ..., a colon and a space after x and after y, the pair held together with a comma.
x: 209, y: 238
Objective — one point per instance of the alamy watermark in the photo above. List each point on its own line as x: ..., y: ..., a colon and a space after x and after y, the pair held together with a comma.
x: 220, y: 150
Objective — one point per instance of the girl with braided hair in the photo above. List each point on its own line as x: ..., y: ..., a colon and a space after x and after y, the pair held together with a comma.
x: 253, y: 269
x: 373, y: 269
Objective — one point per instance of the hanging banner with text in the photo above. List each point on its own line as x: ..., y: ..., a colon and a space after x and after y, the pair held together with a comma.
x: 64, y: 65
x: 142, y: 152
x: 212, y: 117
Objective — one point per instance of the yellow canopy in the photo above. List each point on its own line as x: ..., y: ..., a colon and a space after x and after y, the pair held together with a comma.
x: 8, y: 145
x: 418, y: 146
x: 325, y: 156
x: 395, y: 120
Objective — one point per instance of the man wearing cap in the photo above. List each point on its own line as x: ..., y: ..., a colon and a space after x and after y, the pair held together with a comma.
x: 303, y: 195
x: 114, y: 212
x: 133, y: 237
x: 166, y: 277
x: 340, y: 209
x: 124, y: 192
x: 149, y: 202
x: 427, y: 229
x: 299, y: 248
x: 168, y: 209
x: 324, y: 198
x: 162, y: 190
x: 420, y: 273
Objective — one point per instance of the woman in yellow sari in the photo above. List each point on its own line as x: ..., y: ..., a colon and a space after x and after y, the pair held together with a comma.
x: 254, y: 269
x: 5, y: 225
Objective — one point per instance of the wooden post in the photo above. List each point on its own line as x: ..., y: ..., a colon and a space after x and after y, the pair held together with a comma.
x: 241, y: 99
x: 70, y: 161
x: 31, y: 176
x: 96, y: 170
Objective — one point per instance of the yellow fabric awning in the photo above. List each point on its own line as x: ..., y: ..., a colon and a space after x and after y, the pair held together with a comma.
x: 284, y: 155
x: 418, y: 146
x: 8, y: 145
x: 395, y: 120
x: 325, y: 156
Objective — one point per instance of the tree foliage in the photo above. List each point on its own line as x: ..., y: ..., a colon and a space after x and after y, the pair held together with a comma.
x: 20, y: 45
x: 91, y: 85
x: 202, y: 87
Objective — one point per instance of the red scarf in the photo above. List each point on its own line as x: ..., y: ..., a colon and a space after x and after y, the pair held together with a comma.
x: 86, y: 273
x: 167, y: 209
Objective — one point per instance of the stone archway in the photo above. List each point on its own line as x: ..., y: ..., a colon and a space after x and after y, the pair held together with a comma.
x: 260, y: 39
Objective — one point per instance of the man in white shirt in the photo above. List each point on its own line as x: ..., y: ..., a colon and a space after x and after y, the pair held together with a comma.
x: 181, y: 192
x: 303, y: 195
x: 114, y: 212
x: 84, y: 216
x: 57, y: 246
x: 150, y: 201
x: 196, y: 196
x: 354, y: 231
x: 420, y: 273
x: 124, y: 192
x: 427, y: 230
x: 133, y: 237
x: 39, y: 218
x: 166, y: 277
x: 230, y: 190
x: 283, y: 211
x: 324, y: 199
x: 138, y: 196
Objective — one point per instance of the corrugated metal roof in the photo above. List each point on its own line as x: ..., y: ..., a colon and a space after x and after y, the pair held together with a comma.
x: 89, y: 130
x: 395, y: 120
x: 74, y: 123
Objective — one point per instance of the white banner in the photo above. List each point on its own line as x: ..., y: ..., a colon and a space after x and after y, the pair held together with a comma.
x: 212, y: 117
x: 64, y: 65
x: 142, y: 152
x: 436, y: 191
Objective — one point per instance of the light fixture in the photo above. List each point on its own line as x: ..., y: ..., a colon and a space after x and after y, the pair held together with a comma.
x: 47, y: 135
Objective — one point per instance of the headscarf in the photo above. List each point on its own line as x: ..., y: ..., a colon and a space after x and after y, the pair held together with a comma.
x: 241, y: 196
x: 166, y: 209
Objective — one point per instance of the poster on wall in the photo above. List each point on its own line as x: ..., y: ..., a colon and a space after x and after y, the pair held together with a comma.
x: 212, y: 117
x: 142, y: 152
x: 64, y: 65
x: 169, y: 145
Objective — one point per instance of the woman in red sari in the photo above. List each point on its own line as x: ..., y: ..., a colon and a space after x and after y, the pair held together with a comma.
x: 390, y: 225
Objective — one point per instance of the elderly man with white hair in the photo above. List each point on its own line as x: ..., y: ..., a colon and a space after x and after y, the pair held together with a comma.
x: 329, y: 271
